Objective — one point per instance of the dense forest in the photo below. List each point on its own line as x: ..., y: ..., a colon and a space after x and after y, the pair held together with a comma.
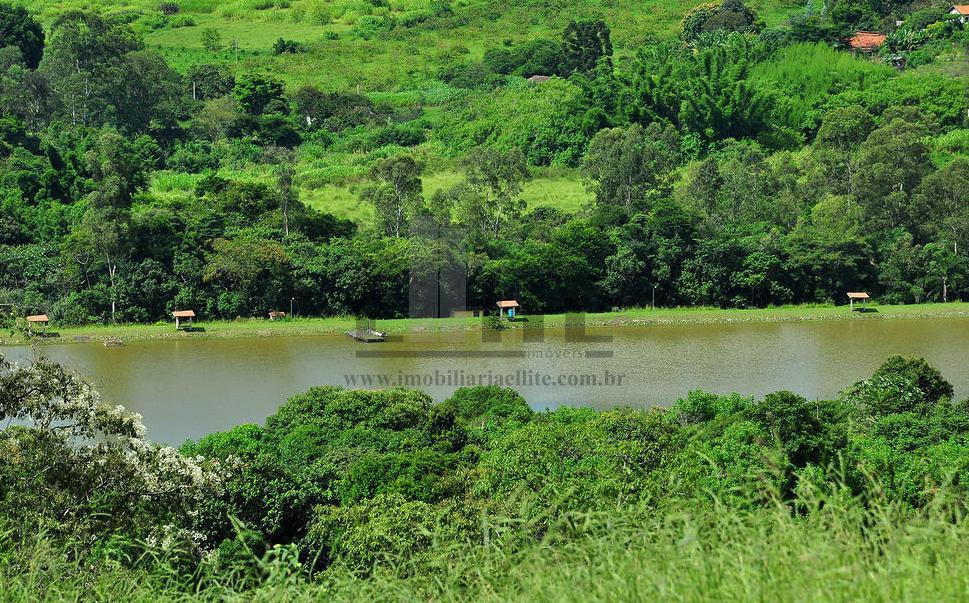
x: 383, y: 495
x: 732, y: 162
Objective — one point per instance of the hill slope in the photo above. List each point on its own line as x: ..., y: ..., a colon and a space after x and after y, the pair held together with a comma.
x: 392, y: 51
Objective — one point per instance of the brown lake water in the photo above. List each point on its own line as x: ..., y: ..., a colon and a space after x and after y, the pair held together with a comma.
x: 188, y: 388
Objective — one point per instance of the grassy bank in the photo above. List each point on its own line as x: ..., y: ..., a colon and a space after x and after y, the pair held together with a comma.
x: 630, y: 317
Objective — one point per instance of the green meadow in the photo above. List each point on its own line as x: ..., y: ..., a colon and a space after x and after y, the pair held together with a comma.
x: 659, y: 317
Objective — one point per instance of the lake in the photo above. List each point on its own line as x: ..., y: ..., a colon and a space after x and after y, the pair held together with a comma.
x: 188, y: 388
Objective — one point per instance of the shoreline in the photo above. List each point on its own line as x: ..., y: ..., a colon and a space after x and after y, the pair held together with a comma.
x: 304, y: 327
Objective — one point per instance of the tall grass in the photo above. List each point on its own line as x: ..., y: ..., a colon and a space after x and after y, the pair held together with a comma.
x: 835, y: 551
x: 806, y: 73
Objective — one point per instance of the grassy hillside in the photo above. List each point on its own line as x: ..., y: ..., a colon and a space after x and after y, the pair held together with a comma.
x: 349, y: 47
x: 350, y: 44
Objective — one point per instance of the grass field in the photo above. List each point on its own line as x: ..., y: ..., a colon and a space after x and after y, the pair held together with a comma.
x: 638, y: 316
x: 561, y: 188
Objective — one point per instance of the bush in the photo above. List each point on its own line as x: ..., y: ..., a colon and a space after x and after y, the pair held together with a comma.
x: 370, y: 486
x: 283, y: 46
x: 399, y: 135
x: 363, y: 536
x: 900, y: 385
x: 181, y: 21
x: 488, y: 404
x: 194, y: 156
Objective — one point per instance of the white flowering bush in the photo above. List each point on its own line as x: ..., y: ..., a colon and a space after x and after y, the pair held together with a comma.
x: 73, y: 465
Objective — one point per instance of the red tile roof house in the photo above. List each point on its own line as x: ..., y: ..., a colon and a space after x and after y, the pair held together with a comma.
x: 866, y: 41
x: 962, y: 11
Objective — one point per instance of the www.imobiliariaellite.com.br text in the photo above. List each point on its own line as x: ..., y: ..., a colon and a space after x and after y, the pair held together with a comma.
x: 463, y: 378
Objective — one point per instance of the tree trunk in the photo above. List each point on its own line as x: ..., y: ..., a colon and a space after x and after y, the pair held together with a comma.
x: 112, y: 271
x: 285, y: 208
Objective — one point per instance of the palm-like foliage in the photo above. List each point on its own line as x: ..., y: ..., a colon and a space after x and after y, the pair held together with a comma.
x: 722, y: 102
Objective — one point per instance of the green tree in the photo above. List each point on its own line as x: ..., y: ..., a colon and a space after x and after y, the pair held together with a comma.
x: 119, y: 169
x: 722, y: 102
x: 252, y: 273
x: 284, y: 162
x: 102, y: 74
x: 211, y: 39
x: 399, y: 195
x: 496, y: 179
x: 210, y: 81
x: 623, y: 164
x: 842, y: 131
x: 255, y: 91
x: 19, y: 29
x: 144, y: 93
x: 890, y: 165
x: 943, y: 267
x: 84, y: 57
x: 584, y: 44
x: 942, y: 204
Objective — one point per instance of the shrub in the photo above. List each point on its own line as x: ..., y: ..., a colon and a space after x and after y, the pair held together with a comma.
x: 181, y: 21
x: 193, y: 156
x: 489, y: 404
x: 256, y: 91
x: 399, y: 135
x: 211, y: 39
x: 283, y: 46
x: 362, y: 536
x: 900, y: 385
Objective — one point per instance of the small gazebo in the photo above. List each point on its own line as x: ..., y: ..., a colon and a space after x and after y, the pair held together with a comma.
x: 859, y: 296
x: 507, y: 308
x: 38, y: 319
x: 179, y: 315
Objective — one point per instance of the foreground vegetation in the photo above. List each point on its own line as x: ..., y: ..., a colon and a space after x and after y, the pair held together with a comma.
x: 235, y: 157
x: 383, y: 494
x: 841, y: 554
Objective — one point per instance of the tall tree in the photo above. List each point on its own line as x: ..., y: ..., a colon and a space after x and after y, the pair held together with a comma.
x: 942, y: 203
x: 19, y: 29
x: 102, y: 74
x: 623, y: 164
x: 284, y: 161
x: 82, y: 49
x: 398, y: 194
x: 584, y: 44
x: 496, y: 179
x: 119, y: 169
x: 842, y: 130
x: 890, y: 165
